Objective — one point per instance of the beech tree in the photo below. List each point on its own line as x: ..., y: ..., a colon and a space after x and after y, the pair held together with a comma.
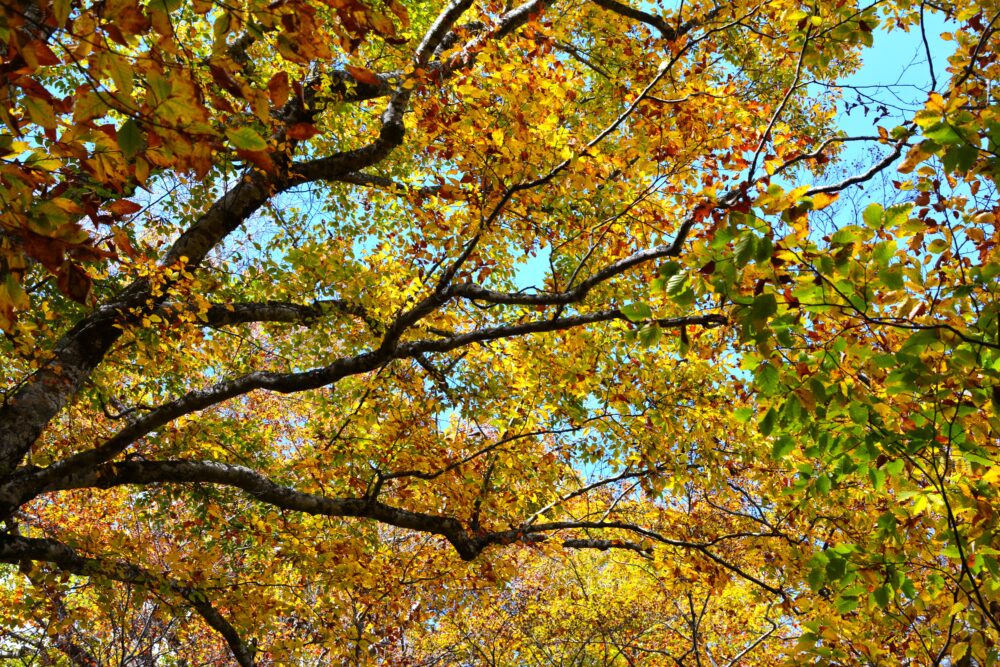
x: 564, y: 332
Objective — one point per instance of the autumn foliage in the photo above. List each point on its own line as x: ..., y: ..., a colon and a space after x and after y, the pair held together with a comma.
x: 584, y: 332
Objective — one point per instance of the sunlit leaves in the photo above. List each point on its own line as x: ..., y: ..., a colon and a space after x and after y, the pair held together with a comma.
x: 527, y: 279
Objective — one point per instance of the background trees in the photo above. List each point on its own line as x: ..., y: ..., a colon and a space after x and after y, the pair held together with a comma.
x: 347, y: 332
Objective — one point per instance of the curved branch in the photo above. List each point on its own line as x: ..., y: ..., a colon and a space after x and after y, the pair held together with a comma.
x: 479, y: 293
x: 871, y: 173
x: 15, y: 549
x: 29, y: 482
x: 667, y: 31
x: 468, y: 545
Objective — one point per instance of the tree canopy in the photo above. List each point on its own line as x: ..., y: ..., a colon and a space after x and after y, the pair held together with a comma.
x: 572, y: 332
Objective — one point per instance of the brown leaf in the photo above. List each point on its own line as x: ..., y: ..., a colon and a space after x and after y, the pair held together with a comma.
x: 226, y: 81
x: 397, y: 8
x: 112, y: 31
x: 123, y: 243
x: 74, y: 282
x: 41, y: 54
x: 45, y: 250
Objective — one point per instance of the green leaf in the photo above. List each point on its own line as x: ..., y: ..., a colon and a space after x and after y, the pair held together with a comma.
x: 764, y: 306
x: 887, y: 523
x: 130, y: 139
x: 877, y: 477
x: 650, y: 335
x: 823, y: 484
x: 872, y: 215
x: 836, y: 568
x: 245, y: 138
x: 766, y: 424
x: 637, y: 312
x: 765, y: 249
x: 882, y: 595
x: 744, y: 249
x: 767, y: 379
x: 221, y: 26
x: 675, y: 285
x: 897, y: 215
x: 816, y: 577
x: 60, y: 11
x: 846, y: 235
x: 937, y: 246
x: 894, y: 467
x: 41, y: 112
x: 668, y: 269
x: 943, y: 134
x: 846, y: 605
x: 782, y: 447
x: 892, y: 277
x: 960, y: 158
x: 743, y: 415
x: 165, y: 5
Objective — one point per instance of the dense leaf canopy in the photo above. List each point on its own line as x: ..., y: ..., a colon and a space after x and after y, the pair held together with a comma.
x: 572, y: 332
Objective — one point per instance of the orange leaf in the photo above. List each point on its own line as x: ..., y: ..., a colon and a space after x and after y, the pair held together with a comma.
x: 259, y: 159
x: 399, y: 10
x: 302, y: 131
x: 278, y: 89
x: 123, y: 243
x: 363, y: 75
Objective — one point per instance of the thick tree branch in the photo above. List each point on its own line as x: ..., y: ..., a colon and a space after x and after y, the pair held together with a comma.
x: 225, y: 314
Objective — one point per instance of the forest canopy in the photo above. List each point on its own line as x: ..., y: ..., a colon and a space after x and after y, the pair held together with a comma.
x: 571, y: 332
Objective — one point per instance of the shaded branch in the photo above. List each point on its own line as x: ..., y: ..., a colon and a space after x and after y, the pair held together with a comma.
x: 16, y: 549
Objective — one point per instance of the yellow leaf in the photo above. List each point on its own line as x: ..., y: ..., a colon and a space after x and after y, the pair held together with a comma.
x: 822, y: 200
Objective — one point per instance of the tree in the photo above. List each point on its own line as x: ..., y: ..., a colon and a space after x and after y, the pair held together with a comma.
x: 346, y: 331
